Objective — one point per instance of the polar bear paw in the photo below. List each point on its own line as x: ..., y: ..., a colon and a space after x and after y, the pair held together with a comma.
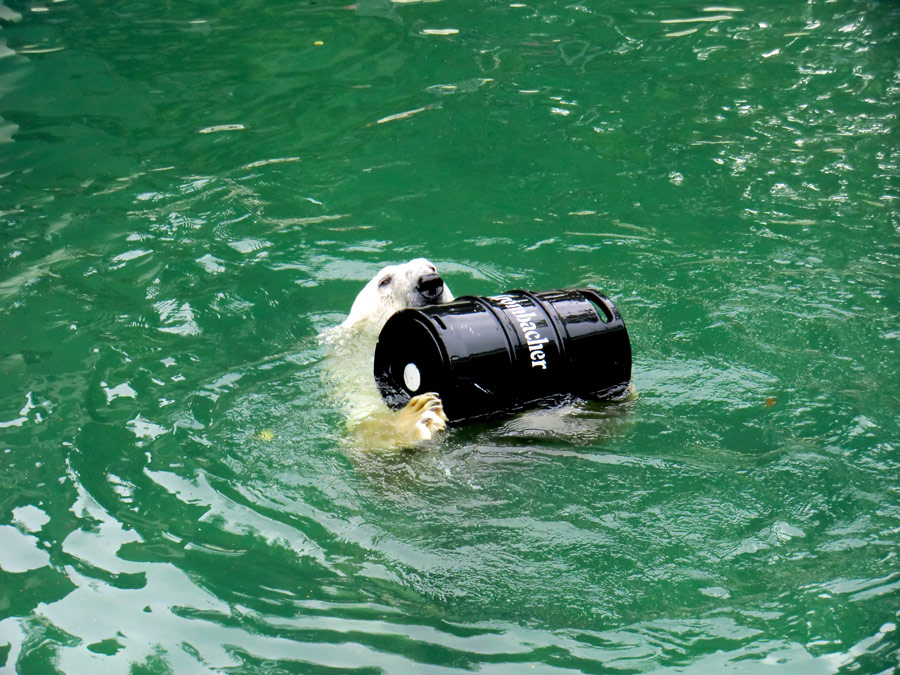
x: 425, y: 415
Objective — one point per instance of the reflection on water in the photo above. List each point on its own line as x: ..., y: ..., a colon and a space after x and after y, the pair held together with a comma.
x: 188, y: 199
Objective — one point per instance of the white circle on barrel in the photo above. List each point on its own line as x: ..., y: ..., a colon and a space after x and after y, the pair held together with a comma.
x: 412, y: 378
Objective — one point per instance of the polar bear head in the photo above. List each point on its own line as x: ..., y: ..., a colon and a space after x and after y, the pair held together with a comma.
x: 396, y: 287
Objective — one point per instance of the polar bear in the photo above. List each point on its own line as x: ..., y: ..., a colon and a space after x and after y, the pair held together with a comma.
x: 352, y: 351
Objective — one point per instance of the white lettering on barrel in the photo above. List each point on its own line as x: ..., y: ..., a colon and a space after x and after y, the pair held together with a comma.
x: 532, y: 336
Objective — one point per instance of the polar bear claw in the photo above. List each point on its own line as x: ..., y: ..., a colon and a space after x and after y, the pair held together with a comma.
x: 428, y: 413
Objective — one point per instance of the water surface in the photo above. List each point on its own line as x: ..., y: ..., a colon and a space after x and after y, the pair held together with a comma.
x: 191, y: 192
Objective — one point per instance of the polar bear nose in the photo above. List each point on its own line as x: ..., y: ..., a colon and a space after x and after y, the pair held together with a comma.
x: 430, y: 287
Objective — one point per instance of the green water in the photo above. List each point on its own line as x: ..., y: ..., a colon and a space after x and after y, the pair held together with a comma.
x: 190, y: 192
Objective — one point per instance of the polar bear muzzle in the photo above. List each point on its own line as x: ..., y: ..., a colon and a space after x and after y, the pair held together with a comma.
x: 430, y: 287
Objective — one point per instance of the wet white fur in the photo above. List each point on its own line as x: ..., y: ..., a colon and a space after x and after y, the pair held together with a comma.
x: 389, y: 291
x: 352, y: 343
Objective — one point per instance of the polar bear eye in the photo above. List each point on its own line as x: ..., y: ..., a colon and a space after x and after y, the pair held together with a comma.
x: 385, y: 282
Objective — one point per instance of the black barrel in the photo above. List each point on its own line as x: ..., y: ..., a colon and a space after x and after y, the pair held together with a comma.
x: 494, y: 354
